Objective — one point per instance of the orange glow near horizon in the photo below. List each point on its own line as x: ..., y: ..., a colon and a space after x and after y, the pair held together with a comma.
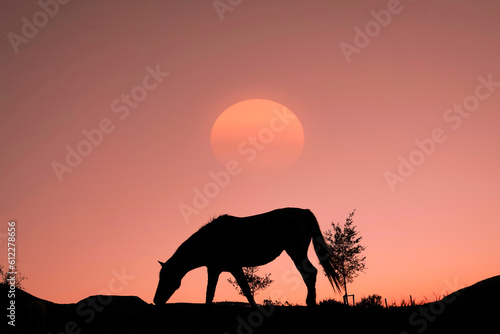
x: 116, y: 115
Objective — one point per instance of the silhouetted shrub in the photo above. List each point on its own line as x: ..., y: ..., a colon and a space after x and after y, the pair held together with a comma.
x: 5, y: 278
x: 333, y: 304
x: 330, y: 301
x: 372, y: 301
x: 269, y: 301
x: 255, y: 282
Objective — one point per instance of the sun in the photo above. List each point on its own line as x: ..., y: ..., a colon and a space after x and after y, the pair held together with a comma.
x: 259, y: 134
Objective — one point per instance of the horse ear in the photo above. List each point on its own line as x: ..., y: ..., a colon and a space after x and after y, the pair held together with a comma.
x: 162, y: 263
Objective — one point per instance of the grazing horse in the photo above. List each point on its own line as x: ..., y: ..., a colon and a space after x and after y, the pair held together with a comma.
x: 230, y: 243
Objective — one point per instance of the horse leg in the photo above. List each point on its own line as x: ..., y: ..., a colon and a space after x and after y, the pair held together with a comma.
x: 310, y: 279
x: 309, y: 273
x: 243, y: 283
x: 213, y: 277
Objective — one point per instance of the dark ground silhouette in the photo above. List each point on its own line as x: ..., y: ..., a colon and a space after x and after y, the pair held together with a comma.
x: 474, y: 309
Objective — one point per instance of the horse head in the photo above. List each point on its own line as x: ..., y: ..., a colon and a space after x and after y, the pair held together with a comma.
x: 169, y: 282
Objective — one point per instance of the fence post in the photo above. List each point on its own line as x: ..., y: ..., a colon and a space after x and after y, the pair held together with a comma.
x: 346, y: 299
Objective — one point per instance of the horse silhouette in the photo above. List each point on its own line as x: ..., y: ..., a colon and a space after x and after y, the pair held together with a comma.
x: 229, y: 243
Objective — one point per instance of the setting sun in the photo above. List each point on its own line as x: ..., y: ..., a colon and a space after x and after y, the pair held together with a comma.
x: 262, y: 134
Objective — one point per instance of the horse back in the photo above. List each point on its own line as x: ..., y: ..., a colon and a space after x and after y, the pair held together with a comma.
x: 258, y: 239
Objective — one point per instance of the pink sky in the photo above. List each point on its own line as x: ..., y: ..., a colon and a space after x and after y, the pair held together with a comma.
x: 104, y: 65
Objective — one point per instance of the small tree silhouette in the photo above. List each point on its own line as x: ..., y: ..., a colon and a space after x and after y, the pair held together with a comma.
x: 346, y: 250
x: 255, y: 282
x: 5, y: 277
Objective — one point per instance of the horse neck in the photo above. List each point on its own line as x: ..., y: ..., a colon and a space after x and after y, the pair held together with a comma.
x: 186, y: 258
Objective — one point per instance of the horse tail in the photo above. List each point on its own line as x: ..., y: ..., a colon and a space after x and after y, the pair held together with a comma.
x: 325, y: 256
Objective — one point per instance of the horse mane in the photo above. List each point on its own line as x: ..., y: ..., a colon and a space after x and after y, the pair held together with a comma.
x: 212, y: 222
x: 218, y: 218
x: 200, y: 234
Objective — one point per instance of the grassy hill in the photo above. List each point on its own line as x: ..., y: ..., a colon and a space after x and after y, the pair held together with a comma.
x: 474, y: 309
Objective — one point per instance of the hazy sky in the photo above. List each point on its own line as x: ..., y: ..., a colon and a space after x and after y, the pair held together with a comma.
x: 106, y: 119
